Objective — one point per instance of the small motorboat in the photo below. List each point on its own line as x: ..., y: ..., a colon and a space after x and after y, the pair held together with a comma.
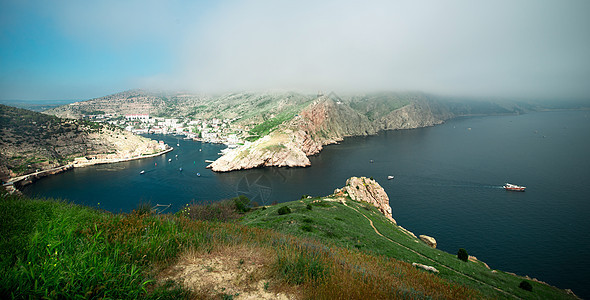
x: 180, y: 169
x: 390, y: 177
x: 514, y: 187
x: 142, y: 172
x: 170, y: 159
x: 371, y: 161
x: 198, y: 174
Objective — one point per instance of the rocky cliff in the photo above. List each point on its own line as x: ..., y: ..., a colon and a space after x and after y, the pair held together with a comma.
x: 327, y: 120
x: 363, y: 189
x: 31, y: 141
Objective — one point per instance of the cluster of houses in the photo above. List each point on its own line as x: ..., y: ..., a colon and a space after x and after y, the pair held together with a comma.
x: 212, y: 131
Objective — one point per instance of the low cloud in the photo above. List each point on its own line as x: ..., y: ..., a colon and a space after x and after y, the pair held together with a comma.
x: 499, y: 48
x: 527, y: 48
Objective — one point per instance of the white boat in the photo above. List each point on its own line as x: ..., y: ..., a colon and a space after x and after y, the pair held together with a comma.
x: 390, y: 177
x: 514, y: 187
x: 142, y: 172
x: 180, y: 169
x: 199, y: 174
x: 170, y: 159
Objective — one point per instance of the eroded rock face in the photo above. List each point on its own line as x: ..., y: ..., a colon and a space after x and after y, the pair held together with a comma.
x: 279, y: 149
x: 323, y: 122
x: 430, y: 241
x: 368, y: 190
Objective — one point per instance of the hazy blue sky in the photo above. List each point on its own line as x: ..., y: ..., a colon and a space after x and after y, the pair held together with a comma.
x: 85, y: 49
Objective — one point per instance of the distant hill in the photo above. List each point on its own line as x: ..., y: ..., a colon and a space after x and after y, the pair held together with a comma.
x: 287, y: 127
x: 36, y: 105
x: 32, y: 141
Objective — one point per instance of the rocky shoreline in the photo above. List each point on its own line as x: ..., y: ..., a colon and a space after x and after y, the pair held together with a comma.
x: 322, y: 123
x: 13, y: 185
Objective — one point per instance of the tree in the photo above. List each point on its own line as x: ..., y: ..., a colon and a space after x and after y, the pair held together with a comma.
x: 462, y: 254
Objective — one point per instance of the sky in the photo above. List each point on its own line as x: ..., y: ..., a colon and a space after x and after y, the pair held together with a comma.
x: 85, y: 49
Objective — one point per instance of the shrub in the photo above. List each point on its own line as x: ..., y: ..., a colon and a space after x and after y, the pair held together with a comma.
x: 242, y: 204
x: 462, y: 254
x: 525, y: 285
x: 284, y: 210
x: 307, y: 228
x: 309, y: 207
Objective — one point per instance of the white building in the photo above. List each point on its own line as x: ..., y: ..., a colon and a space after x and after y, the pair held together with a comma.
x: 139, y: 117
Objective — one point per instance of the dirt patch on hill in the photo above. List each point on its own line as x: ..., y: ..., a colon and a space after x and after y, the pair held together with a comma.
x: 236, y: 272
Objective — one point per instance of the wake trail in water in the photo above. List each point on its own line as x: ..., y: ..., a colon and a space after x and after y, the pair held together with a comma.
x: 472, y: 186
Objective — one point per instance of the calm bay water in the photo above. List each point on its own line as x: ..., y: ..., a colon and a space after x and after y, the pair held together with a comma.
x: 447, y: 185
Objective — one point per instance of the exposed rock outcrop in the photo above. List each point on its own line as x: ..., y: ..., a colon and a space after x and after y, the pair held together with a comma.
x: 414, y: 115
x: 327, y: 120
x: 368, y: 190
x: 425, y: 267
x: 322, y: 123
x: 430, y: 241
x: 280, y: 149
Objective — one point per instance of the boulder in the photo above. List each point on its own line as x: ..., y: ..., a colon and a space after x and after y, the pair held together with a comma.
x: 425, y: 267
x: 430, y: 241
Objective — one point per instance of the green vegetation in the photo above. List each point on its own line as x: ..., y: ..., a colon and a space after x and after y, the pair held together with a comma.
x: 462, y: 254
x: 525, y: 285
x: 378, y: 105
x: 267, y: 126
x: 52, y: 249
x: 93, y: 112
x: 284, y: 210
x: 347, y: 226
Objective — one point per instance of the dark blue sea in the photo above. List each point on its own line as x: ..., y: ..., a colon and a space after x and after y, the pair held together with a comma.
x: 447, y: 185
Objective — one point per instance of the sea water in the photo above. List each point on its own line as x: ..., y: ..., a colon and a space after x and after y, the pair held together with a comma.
x: 447, y: 184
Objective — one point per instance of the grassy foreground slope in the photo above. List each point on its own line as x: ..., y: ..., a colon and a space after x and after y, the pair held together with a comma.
x: 341, y: 222
x: 51, y: 249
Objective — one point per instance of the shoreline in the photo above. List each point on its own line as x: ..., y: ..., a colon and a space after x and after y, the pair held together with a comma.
x: 13, y: 184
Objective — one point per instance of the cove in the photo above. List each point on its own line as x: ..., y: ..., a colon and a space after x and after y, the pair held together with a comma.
x: 447, y: 185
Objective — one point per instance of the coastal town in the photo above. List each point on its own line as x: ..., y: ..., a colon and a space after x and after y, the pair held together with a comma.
x: 214, y: 130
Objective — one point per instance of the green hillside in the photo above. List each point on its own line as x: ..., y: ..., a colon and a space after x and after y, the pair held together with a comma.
x: 359, y: 226
x: 322, y: 249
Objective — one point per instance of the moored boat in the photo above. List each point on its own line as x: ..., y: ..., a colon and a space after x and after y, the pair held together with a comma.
x: 390, y: 177
x: 514, y: 187
x: 142, y: 172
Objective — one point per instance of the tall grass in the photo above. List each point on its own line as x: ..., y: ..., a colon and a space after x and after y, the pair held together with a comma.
x: 68, y: 251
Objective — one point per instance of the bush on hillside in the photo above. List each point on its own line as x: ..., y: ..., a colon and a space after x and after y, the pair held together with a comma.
x: 462, y: 254
x: 525, y: 285
x: 284, y: 210
x: 242, y: 203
